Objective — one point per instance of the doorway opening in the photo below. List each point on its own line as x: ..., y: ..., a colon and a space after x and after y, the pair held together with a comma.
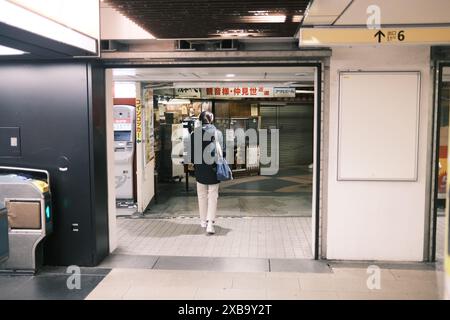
x: 441, y: 185
x: 268, y: 209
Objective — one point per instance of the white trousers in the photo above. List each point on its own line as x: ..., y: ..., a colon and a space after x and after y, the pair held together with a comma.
x: 207, y: 200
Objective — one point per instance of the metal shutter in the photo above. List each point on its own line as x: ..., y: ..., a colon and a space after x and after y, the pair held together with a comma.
x: 296, y: 125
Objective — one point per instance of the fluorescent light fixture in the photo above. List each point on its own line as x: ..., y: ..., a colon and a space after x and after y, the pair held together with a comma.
x: 230, y: 75
x: 264, y: 19
x: 124, y: 89
x: 24, y: 19
x: 162, y: 101
x: 304, y: 91
x: 259, y: 12
x: 124, y: 72
x: 236, y: 33
x: 272, y: 103
x: 7, y: 51
x: 179, y: 101
x: 297, y: 18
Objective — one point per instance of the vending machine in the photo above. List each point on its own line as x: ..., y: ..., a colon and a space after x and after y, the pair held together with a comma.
x: 124, y: 149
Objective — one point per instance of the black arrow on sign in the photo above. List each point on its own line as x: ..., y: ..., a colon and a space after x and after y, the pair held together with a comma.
x: 379, y: 34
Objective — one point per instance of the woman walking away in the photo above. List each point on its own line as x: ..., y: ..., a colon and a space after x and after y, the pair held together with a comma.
x: 204, y: 160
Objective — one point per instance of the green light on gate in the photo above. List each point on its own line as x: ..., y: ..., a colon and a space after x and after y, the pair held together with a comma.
x: 47, y: 212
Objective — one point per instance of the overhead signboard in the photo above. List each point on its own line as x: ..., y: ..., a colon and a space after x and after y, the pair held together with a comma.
x: 188, y: 92
x: 248, y: 92
x: 364, y: 36
x: 284, y: 92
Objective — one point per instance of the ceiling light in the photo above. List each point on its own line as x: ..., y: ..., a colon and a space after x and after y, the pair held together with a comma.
x: 124, y: 72
x: 297, y: 18
x: 179, y: 101
x: 230, y: 75
x: 237, y: 33
x: 124, y: 90
x: 272, y: 103
x: 259, y: 12
x: 21, y: 18
x: 264, y: 19
x: 7, y: 51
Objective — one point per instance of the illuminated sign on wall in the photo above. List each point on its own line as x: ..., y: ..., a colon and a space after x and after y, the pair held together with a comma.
x: 248, y: 92
x: 138, y: 121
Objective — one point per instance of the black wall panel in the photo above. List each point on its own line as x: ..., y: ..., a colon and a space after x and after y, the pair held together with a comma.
x: 99, y: 178
x: 61, y: 116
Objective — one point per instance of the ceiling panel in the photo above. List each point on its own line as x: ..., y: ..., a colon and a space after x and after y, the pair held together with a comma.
x: 325, y: 12
x: 183, y: 19
x: 393, y: 12
x: 218, y: 75
x: 319, y: 20
x: 398, y: 12
x: 328, y: 7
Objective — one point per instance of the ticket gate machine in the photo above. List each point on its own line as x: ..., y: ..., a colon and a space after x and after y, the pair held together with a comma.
x: 26, y: 195
x: 124, y: 148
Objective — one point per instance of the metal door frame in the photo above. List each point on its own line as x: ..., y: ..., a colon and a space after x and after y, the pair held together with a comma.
x: 318, y: 64
x: 438, y: 66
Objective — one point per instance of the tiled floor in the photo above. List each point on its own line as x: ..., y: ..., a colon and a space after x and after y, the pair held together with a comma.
x: 125, y: 261
x: 341, y: 283
x: 50, y: 284
x: 233, y: 206
x: 289, y: 193
x: 250, y: 237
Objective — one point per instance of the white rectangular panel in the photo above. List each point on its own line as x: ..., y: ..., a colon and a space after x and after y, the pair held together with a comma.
x: 378, y: 126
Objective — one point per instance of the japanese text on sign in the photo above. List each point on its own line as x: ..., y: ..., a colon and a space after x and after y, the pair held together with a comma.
x: 138, y: 121
x: 248, y: 92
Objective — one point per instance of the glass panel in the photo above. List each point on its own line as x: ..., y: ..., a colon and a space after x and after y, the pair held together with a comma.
x: 442, y: 188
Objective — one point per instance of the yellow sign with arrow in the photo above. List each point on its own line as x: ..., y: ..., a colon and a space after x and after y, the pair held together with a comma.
x: 383, y: 36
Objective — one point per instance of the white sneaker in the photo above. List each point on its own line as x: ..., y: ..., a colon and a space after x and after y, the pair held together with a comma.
x: 210, y: 228
x: 203, y: 223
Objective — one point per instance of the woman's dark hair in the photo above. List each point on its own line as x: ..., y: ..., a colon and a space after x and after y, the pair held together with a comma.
x: 206, y: 117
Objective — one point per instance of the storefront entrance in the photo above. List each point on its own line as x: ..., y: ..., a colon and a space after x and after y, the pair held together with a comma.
x: 440, y: 204
x: 260, y: 215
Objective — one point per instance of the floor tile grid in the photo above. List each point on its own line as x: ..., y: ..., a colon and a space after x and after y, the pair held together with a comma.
x: 237, y: 237
x: 345, y: 284
x: 162, y: 237
x: 167, y: 237
x: 440, y: 231
x: 141, y: 245
x: 295, y: 239
x: 181, y: 245
x: 135, y: 234
x: 306, y: 234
